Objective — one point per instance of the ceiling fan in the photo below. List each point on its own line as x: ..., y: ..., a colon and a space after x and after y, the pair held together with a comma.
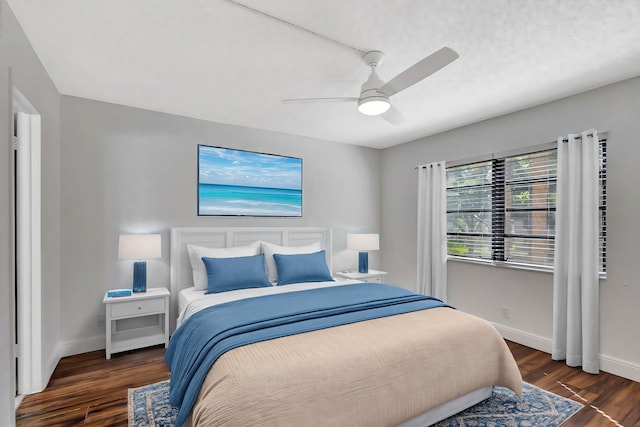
x: 374, y: 93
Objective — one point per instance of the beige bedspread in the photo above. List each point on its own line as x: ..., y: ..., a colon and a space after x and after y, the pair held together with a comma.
x: 375, y: 373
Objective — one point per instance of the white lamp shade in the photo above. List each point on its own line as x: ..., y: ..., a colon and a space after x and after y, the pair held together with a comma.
x: 363, y: 242
x: 139, y: 246
x: 374, y: 105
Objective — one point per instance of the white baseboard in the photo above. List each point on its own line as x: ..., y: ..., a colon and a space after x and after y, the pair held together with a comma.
x: 51, y: 366
x: 608, y: 364
x: 70, y: 348
x: 530, y: 340
x: 62, y: 350
x: 19, y: 401
x: 47, y: 373
x: 619, y: 367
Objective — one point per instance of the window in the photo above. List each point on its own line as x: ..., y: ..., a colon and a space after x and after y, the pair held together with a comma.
x: 504, y: 209
x: 469, y: 209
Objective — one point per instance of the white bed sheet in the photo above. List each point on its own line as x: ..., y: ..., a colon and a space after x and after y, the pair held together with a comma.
x: 192, y: 300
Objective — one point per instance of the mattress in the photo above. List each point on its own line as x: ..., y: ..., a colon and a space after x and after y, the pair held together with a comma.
x: 380, y: 372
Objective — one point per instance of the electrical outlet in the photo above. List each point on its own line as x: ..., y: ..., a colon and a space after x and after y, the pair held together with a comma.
x: 506, y: 312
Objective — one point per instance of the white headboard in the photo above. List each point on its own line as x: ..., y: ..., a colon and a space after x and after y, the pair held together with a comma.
x: 224, y: 237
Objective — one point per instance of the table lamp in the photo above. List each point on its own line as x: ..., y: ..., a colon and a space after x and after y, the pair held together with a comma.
x: 140, y: 247
x: 363, y: 243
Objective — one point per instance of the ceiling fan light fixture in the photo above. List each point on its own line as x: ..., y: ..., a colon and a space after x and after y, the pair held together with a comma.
x: 374, y: 105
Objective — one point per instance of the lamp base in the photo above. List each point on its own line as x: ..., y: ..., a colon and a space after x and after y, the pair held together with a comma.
x: 140, y: 276
x: 363, y: 262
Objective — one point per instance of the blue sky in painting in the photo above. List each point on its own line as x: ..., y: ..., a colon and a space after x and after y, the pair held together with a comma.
x: 234, y: 167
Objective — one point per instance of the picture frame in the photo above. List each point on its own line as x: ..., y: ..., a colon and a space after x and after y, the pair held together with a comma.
x: 234, y: 182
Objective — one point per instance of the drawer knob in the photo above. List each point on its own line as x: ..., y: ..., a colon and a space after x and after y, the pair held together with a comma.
x: 139, y: 308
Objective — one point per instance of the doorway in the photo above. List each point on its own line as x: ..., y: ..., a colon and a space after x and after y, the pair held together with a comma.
x: 27, y: 227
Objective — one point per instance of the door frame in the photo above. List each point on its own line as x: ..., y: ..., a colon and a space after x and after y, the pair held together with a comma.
x: 28, y: 235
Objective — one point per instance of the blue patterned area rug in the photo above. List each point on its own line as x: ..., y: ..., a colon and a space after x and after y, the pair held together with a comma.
x: 149, y: 407
x: 538, y: 407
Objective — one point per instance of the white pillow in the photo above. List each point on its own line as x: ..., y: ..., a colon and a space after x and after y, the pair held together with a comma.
x: 196, y: 253
x: 268, y: 249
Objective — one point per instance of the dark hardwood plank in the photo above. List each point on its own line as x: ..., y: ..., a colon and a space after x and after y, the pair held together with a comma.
x: 89, y: 390
x: 609, y: 400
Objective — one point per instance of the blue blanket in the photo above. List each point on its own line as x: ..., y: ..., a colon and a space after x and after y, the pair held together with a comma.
x: 211, y: 332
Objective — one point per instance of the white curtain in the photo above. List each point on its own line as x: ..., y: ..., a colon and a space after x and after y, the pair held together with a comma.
x: 575, y: 280
x: 432, y: 230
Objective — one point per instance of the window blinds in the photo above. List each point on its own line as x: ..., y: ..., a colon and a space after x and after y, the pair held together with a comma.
x: 504, y: 209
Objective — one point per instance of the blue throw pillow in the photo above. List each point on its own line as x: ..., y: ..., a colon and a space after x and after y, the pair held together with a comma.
x: 229, y: 274
x: 302, y: 268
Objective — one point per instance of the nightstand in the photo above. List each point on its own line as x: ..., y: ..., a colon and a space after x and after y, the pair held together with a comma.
x: 136, y: 321
x: 376, y: 276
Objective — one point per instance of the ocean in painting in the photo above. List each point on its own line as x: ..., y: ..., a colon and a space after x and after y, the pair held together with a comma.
x: 216, y: 199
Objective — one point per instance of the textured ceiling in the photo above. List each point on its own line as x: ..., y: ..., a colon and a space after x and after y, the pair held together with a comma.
x: 215, y: 60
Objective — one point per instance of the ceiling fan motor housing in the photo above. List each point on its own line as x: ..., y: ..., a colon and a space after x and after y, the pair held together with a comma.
x: 373, y: 102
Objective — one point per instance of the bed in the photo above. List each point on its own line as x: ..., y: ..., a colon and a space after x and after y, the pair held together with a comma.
x: 403, y: 359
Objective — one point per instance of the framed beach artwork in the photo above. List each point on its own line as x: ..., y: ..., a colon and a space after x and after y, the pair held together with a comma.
x: 246, y: 183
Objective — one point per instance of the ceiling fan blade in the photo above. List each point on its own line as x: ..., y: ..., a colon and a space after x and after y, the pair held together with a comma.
x: 419, y: 71
x: 393, y: 116
x: 310, y: 100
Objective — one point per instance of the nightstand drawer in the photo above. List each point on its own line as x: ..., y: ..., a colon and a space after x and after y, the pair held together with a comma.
x: 135, y: 308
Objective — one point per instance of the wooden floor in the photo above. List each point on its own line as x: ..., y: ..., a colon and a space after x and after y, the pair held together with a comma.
x: 88, y: 390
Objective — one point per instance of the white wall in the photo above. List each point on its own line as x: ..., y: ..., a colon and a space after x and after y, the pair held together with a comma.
x: 127, y: 170
x: 485, y: 290
x: 20, y: 67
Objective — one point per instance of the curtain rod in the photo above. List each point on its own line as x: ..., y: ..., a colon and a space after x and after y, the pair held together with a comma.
x: 531, y: 149
x: 429, y: 165
x: 590, y: 135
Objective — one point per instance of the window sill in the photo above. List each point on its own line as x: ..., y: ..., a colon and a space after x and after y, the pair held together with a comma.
x: 511, y: 265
